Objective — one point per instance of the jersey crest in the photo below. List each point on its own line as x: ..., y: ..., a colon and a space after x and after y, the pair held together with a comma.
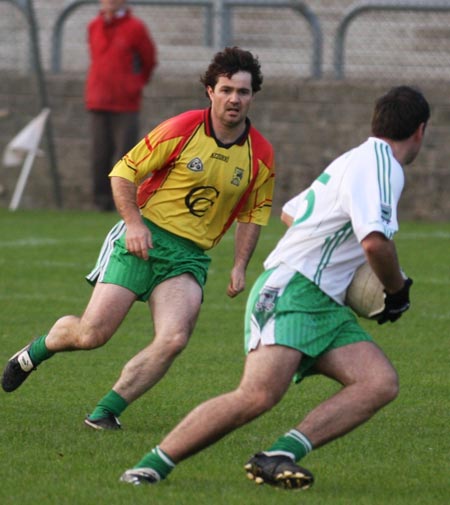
x: 195, y: 165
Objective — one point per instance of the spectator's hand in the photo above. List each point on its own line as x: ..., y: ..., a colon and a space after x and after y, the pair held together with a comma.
x: 138, y: 240
x: 395, y: 304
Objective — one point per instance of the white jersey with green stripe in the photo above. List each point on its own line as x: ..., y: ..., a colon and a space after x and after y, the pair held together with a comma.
x: 355, y: 195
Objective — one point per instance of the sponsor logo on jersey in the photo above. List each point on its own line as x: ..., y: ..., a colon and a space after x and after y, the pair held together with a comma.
x: 237, y: 176
x: 195, y: 165
x: 220, y: 157
x: 200, y: 199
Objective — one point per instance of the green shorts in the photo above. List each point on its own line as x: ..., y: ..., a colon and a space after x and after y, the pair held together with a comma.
x: 171, y: 256
x: 285, y: 308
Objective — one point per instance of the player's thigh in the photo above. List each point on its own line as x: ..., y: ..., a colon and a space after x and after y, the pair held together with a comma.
x: 175, y: 305
x: 269, y: 370
x: 107, y: 308
x: 357, y: 362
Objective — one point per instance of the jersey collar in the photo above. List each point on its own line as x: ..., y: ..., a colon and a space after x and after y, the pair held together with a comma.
x: 210, y: 132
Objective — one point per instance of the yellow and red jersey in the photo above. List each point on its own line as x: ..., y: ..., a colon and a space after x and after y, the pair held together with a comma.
x: 195, y: 187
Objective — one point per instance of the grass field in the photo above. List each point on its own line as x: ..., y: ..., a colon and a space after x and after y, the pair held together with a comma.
x: 401, y: 457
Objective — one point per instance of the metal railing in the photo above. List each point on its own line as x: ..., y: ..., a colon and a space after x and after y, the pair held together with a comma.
x: 300, y: 8
x: 218, y: 23
x: 359, y: 8
x: 224, y: 16
x: 57, y: 32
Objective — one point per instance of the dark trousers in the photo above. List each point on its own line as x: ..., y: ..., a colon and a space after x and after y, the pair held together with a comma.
x: 113, y: 134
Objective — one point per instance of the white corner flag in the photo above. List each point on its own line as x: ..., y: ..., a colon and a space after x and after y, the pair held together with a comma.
x: 24, y: 147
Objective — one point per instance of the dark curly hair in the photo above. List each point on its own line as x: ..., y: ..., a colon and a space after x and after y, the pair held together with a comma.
x: 230, y: 61
x: 399, y: 113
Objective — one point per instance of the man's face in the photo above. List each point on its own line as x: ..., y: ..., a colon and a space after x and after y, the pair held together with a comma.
x: 111, y: 6
x: 231, y: 98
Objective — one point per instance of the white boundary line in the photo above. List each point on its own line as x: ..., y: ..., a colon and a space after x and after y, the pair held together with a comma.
x: 38, y: 242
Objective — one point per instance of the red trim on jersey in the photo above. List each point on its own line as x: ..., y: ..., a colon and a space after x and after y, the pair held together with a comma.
x: 183, y: 125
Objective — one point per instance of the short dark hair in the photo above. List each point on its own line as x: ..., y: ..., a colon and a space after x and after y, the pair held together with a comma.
x: 399, y: 113
x: 230, y: 61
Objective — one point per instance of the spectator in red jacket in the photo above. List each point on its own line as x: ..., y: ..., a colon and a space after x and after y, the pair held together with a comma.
x: 123, y: 57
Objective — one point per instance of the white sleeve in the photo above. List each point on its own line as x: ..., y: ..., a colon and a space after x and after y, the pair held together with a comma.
x: 290, y: 207
x: 371, y: 195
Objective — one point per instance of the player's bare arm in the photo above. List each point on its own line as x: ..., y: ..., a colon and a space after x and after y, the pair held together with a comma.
x: 381, y: 253
x: 138, y: 236
x: 286, y: 219
x: 245, y: 240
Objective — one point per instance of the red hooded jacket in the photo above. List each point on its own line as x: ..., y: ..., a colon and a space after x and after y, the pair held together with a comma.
x: 123, y: 57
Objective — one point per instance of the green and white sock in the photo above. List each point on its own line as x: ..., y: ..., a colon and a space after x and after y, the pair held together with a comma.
x: 111, y: 403
x: 38, y: 351
x: 158, y: 461
x: 293, y: 444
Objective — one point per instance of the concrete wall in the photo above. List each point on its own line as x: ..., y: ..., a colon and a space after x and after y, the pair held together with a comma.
x: 308, y: 122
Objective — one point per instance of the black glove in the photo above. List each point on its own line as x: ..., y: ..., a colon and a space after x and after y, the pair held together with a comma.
x: 395, y: 304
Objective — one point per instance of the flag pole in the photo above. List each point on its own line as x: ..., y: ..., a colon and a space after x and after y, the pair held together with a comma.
x: 28, y: 9
x: 23, y: 178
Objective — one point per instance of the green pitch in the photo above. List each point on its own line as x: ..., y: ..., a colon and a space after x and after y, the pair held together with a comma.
x: 48, y: 456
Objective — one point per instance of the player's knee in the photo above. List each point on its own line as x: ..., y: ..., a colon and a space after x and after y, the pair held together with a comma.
x: 173, y: 344
x: 386, y: 388
x: 391, y: 388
